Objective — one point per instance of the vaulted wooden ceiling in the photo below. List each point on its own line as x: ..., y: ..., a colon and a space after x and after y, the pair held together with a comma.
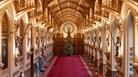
x: 83, y: 13
x: 69, y: 10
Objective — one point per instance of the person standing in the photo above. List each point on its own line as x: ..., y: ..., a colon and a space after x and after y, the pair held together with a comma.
x: 41, y: 64
x: 37, y: 69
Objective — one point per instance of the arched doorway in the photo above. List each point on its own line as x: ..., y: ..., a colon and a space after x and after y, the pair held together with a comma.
x: 129, y: 46
x: 5, y: 36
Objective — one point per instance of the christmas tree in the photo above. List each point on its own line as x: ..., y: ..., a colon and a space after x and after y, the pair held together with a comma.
x: 68, y: 44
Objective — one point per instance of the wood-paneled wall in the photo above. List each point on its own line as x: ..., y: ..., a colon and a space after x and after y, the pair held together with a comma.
x: 79, y: 46
x: 59, y: 44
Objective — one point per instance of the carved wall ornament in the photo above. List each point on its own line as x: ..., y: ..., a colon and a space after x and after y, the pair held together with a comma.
x: 117, y: 45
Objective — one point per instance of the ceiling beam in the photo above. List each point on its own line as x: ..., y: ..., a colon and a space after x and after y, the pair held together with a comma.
x: 68, y: 18
x: 81, y: 12
x: 67, y: 10
x: 61, y: 18
x: 61, y: 22
x: 80, y: 6
x: 68, y: 13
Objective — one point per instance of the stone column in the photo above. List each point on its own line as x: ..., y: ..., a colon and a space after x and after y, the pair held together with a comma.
x: 87, y: 20
x: 46, y: 15
x: 104, y: 50
x: 114, y: 64
x: 11, y: 47
x: 91, y: 16
x: 50, y: 19
x: 33, y: 37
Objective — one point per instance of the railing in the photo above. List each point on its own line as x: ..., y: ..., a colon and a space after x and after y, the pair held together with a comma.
x: 23, y: 5
x: 113, y: 6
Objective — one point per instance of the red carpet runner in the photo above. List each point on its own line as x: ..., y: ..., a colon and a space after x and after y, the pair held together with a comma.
x: 71, y: 66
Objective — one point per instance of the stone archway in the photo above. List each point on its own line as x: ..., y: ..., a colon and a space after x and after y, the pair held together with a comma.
x: 129, y: 46
x: 5, y: 43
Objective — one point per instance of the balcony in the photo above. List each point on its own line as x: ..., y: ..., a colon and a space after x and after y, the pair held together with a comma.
x: 22, y: 6
x: 115, y: 6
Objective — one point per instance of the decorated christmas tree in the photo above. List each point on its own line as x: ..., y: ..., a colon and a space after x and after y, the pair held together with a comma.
x: 68, y: 44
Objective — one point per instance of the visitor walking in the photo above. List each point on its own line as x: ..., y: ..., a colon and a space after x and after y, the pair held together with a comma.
x: 37, y: 69
x: 41, y: 63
